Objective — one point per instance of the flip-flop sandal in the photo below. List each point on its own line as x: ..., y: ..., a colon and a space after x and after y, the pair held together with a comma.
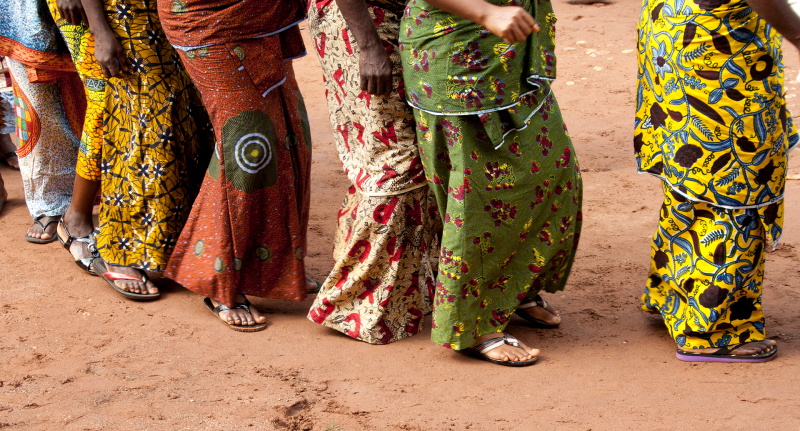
x: 316, y: 289
x: 54, y: 237
x: 533, y: 322
x: 240, y: 305
x: 4, y: 159
x: 482, y: 349
x: 85, y: 263
x: 100, y: 268
x: 723, y: 354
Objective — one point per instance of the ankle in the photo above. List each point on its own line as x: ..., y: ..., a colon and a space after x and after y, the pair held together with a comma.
x: 78, y: 224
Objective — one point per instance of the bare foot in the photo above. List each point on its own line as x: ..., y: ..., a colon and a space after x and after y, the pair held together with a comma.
x: 752, y: 348
x: 507, y: 352
x: 132, y: 285
x: 547, y: 315
x: 238, y: 316
x: 36, y: 231
x: 78, y: 228
x: 311, y: 285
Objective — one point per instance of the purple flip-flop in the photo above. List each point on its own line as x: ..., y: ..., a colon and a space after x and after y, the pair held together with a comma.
x: 723, y: 354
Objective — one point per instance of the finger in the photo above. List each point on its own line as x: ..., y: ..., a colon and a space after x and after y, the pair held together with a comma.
x: 83, y: 17
x: 372, y: 87
x: 536, y: 27
x: 123, y: 61
x: 106, y: 73
x: 519, y: 34
x: 112, y: 70
x: 364, y: 83
x: 529, y: 19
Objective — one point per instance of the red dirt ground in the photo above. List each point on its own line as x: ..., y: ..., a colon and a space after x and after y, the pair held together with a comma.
x: 75, y: 355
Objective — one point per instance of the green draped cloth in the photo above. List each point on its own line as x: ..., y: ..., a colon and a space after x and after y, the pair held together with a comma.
x: 498, y: 157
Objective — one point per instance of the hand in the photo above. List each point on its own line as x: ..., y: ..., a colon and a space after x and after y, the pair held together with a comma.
x: 71, y: 11
x: 375, y: 68
x: 110, y: 55
x: 512, y: 23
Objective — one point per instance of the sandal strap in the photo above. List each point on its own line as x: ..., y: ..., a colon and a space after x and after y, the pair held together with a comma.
x: 490, y: 344
x: 238, y: 305
x: 536, y: 301
x: 496, y: 342
x: 726, y: 350
x: 114, y: 276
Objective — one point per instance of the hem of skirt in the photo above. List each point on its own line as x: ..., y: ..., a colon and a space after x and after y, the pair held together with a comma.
x: 392, y: 193
x: 694, y: 199
x: 531, y: 80
x: 374, y: 342
x: 516, y: 129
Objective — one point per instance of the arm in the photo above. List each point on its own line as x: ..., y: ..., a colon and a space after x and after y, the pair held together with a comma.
x: 107, y: 50
x: 512, y: 23
x: 375, y: 67
x: 71, y: 11
x: 781, y: 16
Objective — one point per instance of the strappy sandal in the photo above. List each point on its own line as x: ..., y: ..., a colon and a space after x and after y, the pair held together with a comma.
x: 482, y: 349
x: 536, y: 301
x: 723, y: 354
x: 100, y: 268
x: 52, y: 238
x: 4, y: 159
x: 240, y: 305
x: 86, y: 262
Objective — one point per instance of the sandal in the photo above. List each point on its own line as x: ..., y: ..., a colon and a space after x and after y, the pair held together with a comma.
x: 533, y: 322
x: 240, y: 305
x: 100, y: 268
x: 481, y: 349
x: 44, y: 229
x: 316, y: 289
x: 86, y: 262
x: 4, y: 159
x: 723, y: 354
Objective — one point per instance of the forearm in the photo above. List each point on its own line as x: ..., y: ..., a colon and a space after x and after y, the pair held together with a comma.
x: 780, y: 16
x: 97, y: 18
x: 473, y: 10
x: 360, y: 23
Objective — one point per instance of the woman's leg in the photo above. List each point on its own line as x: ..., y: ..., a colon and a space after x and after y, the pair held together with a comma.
x: 48, y: 147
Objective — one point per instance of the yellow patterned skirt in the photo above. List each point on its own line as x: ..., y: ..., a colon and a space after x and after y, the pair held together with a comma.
x: 156, y: 147
x: 80, y: 42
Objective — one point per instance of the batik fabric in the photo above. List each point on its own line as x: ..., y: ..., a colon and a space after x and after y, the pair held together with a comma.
x: 386, y: 243
x: 80, y: 42
x: 498, y: 157
x: 247, y: 230
x: 712, y: 124
x: 156, y: 143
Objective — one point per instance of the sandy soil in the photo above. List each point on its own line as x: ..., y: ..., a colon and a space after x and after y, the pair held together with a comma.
x: 76, y: 355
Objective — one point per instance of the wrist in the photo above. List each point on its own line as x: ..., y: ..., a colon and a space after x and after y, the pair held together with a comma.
x: 482, y: 13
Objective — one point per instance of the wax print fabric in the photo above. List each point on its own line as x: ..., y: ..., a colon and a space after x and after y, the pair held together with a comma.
x: 247, y: 230
x: 156, y: 144
x: 386, y: 244
x: 712, y: 124
x: 80, y: 42
x: 498, y: 157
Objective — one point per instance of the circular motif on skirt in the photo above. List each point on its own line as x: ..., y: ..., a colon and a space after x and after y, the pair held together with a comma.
x: 237, y: 264
x: 239, y: 51
x: 219, y: 265
x: 249, y: 152
x: 253, y: 152
x: 263, y: 253
x: 298, y: 253
x: 199, y: 246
